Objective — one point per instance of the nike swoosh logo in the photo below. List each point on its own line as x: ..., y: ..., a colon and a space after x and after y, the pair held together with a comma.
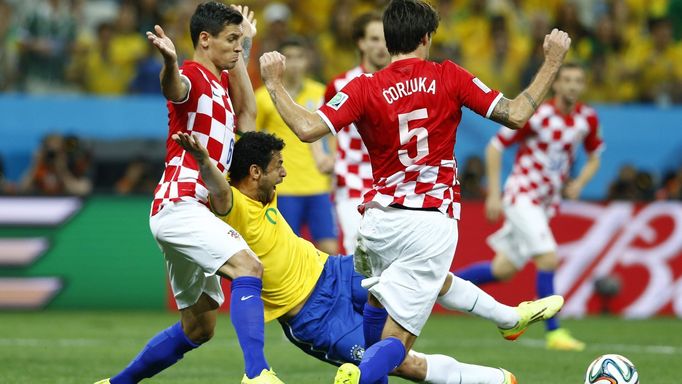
x: 244, y: 298
x: 538, y: 315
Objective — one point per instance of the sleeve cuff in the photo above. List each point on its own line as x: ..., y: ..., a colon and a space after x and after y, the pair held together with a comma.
x: 326, y: 121
x: 189, y: 90
x: 493, y: 105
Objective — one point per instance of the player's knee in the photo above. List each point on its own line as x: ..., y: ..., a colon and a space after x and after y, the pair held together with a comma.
x: 547, y: 262
x: 200, y: 333
x: 505, y: 274
x: 252, y: 267
x: 243, y: 263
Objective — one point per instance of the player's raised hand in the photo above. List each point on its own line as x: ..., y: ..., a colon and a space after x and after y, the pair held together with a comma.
x: 163, y: 43
x: 556, y: 45
x: 192, y: 145
x: 249, y: 23
x: 493, y: 208
x: 272, y: 65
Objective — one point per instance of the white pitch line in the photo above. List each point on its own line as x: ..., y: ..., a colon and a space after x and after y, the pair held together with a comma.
x: 655, y: 349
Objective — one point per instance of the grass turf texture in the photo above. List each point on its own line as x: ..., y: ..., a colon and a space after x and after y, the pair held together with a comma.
x: 83, y: 347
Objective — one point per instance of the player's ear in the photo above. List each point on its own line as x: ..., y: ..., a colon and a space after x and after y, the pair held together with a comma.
x: 255, y: 171
x: 203, y: 39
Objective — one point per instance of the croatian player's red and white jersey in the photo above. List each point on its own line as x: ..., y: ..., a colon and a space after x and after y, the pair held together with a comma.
x: 352, y: 167
x: 548, y: 143
x: 208, y: 114
x: 407, y: 115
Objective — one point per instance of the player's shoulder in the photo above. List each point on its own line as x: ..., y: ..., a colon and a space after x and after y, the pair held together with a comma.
x: 585, y: 110
x: 347, y: 75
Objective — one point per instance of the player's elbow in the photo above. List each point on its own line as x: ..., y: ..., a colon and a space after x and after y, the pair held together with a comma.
x: 306, y: 136
x: 517, y: 119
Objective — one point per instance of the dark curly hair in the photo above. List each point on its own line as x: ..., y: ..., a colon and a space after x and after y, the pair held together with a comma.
x: 253, y: 148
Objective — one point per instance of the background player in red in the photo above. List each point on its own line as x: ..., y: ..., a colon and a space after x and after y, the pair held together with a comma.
x: 206, y: 101
x: 352, y: 167
x: 407, y: 115
x: 532, y: 192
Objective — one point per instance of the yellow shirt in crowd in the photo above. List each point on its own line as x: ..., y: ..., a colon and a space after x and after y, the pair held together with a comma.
x: 303, y: 177
x: 291, y: 264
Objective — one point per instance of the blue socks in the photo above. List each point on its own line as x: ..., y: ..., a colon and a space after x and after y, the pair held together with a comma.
x: 380, y: 359
x: 545, y: 287
x: 373, y: 321
x: 246, y: 312
x: 162, y: 351
x: 479, y: 273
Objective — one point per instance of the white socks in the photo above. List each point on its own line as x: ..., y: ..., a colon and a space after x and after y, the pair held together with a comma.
x: 464, y: 296
x: 441, y: 369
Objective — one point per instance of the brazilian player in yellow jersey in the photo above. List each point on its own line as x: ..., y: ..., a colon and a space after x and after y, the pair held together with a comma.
x: 317, y: 298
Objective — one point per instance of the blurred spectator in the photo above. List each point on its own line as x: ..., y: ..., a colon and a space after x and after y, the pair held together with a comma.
x: 632, y: 185
x: 336, y: 44
x: 138, y: 178
x: 660, y: 64
x: 568, y: 21
x: 671, y: 187
x: 148, y: 14
x: 46, y: 39
x: 5, y: 186
x: 304, y: 197
x: 471, y: 178
x: 539, y: 26
x: 60, y: 166
x: 8, y: 46
x: 146, y: 80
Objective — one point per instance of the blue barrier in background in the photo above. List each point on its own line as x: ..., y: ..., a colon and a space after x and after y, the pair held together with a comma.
x: 645, y: 136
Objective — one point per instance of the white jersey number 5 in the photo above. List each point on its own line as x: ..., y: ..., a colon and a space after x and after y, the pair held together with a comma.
x: 407, y: 133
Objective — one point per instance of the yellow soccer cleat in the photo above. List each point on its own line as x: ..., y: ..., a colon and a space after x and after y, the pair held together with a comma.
x: 509, y: 378
x: 267, y: 376
x: 347, y: 374
x: 531, y: 312
x: 105, y: 381
x: 561, y: 340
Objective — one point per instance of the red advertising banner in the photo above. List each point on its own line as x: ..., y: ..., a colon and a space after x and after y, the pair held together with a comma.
x: 638, y: 247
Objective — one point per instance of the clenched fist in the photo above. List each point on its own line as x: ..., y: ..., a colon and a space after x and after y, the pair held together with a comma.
x: 272, y: 65
x: 556, y: 45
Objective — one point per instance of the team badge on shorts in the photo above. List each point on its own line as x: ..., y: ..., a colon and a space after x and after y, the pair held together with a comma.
x: 356, y: 352
x: 233, y: 233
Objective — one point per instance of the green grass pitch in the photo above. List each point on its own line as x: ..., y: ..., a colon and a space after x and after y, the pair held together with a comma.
x: 83, y: 347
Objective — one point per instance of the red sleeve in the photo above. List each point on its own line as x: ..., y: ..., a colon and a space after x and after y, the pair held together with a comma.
x: 593, y: 140
x: 469, y: 90
x: 506, y: 137
x: 330, y: 91
x: 198, y: 85
x: 345, y: 107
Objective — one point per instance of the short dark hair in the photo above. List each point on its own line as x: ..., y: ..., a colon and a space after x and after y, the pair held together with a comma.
x: 293, y: 41
x: 361, y: 22
x: 253, y: 148
x: 212, y: 17
x: 570, y: 65
x: 406, y: 22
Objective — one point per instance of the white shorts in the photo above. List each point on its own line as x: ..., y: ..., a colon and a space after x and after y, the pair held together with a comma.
x: 349, y: 221
x: 525, y: 233
x: 195, y: 245
x: 405, y: 255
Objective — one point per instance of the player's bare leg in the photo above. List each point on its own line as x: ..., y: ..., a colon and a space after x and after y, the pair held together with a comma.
x: 557, y: 338
x: 199, y: 320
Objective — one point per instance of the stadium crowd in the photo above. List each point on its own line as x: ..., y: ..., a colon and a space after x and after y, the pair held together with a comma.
x: 631, y: 48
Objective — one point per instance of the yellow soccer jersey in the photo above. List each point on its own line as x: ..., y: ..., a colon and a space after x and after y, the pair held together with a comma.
x: 303, y: 177
x: 291, y: 265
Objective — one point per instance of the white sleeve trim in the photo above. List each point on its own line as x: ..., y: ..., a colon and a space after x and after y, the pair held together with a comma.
x: 189, y: 89
x: 493, y: 105
x: 326, y: 121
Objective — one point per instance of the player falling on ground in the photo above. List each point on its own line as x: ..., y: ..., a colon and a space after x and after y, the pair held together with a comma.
x: 407, y: 115
x: 352, y: 167
x: 532, y: 192
x: 317, y: 298
x: 205, y: 100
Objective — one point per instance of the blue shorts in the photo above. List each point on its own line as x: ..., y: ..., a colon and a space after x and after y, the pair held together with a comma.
x: 329, y: 326
x: 314, y: 211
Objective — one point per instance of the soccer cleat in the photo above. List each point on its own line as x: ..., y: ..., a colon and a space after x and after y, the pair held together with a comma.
x: 105, y: 381
x: 509, y: 378
x: 267, y: 376
x: 347, y: 374
x: 561, y: 340
x: 531, y: 312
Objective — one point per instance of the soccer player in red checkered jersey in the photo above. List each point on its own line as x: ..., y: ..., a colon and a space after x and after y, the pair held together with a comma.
x: 407, y: 115
x: 206, y: 100
x: 547, y: 146
x: 352, y: 167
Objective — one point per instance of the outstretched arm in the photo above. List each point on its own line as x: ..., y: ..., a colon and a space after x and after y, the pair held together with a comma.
x: 241, y: 90
x: 514, y: 113
x: 219, y: 190
x: 574, y: 187
x: 174, y: 87
x: 306, y: 125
